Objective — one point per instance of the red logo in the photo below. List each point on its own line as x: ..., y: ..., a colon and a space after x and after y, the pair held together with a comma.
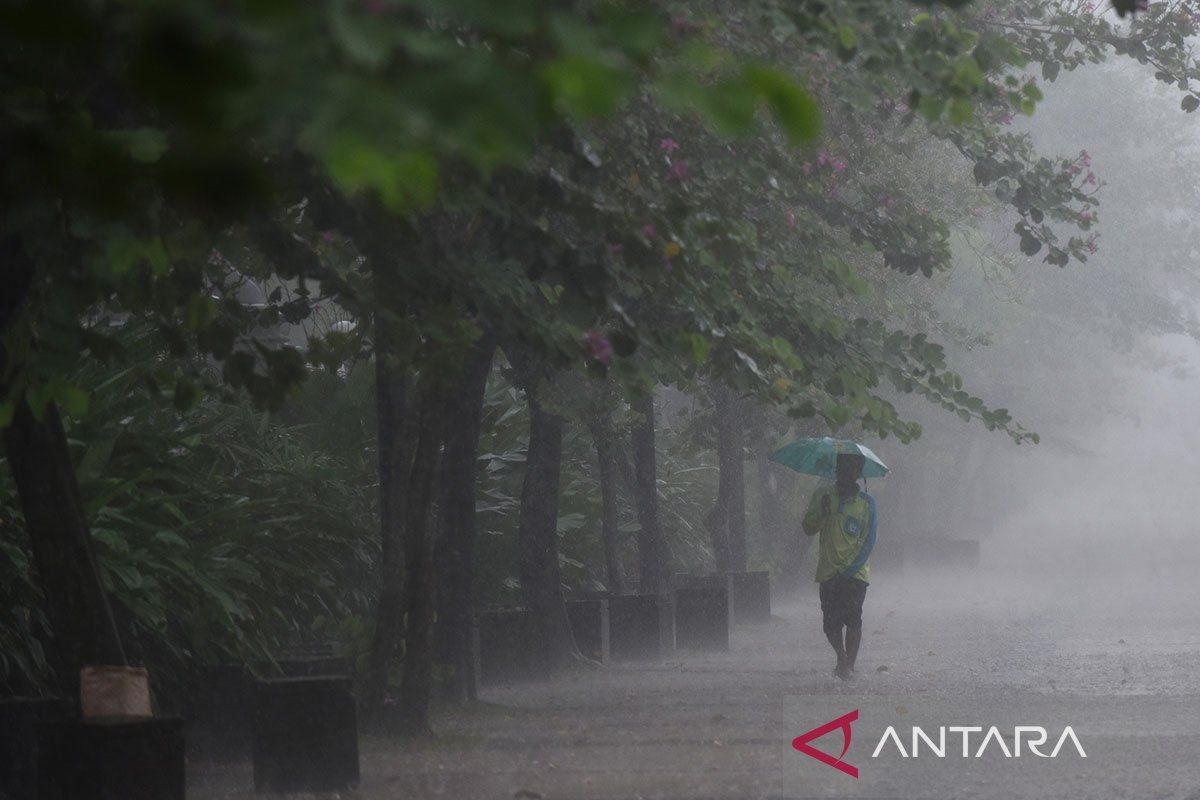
x: 801, y: 743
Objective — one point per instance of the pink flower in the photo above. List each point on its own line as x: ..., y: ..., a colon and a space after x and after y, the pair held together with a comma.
x: 1006, y: 119
x: 806, y: 168
x: 680, y: 170
x: 1086, y: 216
x: 668, y: 145
x: 1090, y: 180
x: 648, y: 230
x: 837, y: 164
x: 1085, y: 158
x: 599, y: 347
x: 791, y: 218
x: 822, y: 157
x: 326, y: 237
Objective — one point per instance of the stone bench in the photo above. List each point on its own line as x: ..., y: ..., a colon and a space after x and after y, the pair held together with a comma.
x: 305, y: 735
x: 751, y: 597
x: 590, y: 625
x: 107, y: 758
x: 703, y: 612
x: 641, y: 626
x: 20, y: 718
x: 509, y: 651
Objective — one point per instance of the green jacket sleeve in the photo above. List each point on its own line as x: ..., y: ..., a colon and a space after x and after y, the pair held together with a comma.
x: 814, y: 520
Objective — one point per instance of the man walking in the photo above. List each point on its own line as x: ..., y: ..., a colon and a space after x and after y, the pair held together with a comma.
x: 844, y: 518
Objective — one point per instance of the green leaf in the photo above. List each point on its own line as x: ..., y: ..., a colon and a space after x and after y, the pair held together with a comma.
x: 144, y: 145
x: 72, y: 399
x: 959, y: 112
x: 794, y: 108
x: 583, y: 88
x: 402, y: 180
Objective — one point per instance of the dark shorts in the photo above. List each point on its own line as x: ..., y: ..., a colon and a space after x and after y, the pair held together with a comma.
x: 842, y: 602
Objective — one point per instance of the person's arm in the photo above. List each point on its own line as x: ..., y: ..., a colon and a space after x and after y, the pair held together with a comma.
x: 819, y: 507
x: 864, y: 552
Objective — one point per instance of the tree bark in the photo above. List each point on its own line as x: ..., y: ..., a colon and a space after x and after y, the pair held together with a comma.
x: 417, y: 681
x: 84, y: 629
x: 606, y: 456
x: 455, y: 547
x: 653, y: 560
x: 76, y: 603
x: 537, y: 528
x: 541, y: 578
x: 727, y: 520
x: 391, y: 401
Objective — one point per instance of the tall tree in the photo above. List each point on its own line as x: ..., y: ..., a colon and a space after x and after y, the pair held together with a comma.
x: 537, y: 532
x: 727, y: 520
x: 604, y: 441
x: 653, y: 556
x: 393, y: 441
x: 417, y: 680
x: 455, y: 546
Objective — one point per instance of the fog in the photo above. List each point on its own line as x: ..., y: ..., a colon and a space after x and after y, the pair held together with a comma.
x: 472, y: 399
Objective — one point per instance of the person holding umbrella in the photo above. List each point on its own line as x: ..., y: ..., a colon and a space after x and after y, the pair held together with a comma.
x: 844, y: 518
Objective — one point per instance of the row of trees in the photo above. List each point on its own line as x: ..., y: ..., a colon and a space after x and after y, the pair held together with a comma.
x: 589, y: 188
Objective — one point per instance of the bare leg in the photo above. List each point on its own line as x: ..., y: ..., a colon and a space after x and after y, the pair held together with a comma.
x: 835, y: 639
x: 853, y: 639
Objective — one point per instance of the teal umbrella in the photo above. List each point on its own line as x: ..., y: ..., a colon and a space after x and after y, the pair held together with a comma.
x: 813, y: 455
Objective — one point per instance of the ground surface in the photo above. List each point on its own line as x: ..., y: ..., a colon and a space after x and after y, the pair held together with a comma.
x: 1117, y: 659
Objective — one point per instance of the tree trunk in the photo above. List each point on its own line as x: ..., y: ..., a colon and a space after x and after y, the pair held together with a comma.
x: 771, y: 510
x: 417, y: 681
x: 653, y: 558
x: 454, y: 550
x: 606, y: 457
x: 537, y: 529
x: 391, y: 400
x: 727, y: 520
x: 84, y: 629
x: 541, y: 578
x: 76, y: 603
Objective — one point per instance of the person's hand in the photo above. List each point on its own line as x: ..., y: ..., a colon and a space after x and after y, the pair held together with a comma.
x: 826, y: 505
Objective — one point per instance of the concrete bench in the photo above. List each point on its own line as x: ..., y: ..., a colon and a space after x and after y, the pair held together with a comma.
x: 509, y: 650
x: 751, y: 597
x: 641, y: 626
x: 108, y: 758
x: 590, y: 625
x: 703, y: 612
x: 305, y: 735
x: 20, y: 718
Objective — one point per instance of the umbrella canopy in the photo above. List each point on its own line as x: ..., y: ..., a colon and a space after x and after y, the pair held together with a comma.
x: 813, y: 455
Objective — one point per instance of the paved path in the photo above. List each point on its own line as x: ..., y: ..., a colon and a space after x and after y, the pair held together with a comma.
x: 1120, y: 662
